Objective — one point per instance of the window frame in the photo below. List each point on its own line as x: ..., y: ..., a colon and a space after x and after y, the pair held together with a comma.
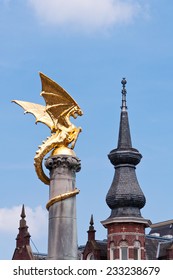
x: 124, y: 250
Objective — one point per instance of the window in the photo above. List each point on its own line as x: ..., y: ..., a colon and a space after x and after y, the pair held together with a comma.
x: 137, y: 250
x: 123, y: 250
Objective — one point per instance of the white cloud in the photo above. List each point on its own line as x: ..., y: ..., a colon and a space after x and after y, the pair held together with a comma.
x: 36, y: 220
x: 86, y: 14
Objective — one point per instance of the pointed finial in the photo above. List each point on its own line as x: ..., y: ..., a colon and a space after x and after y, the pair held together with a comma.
x: 92, y: 220
x: 124, y: 107
x: 22, y: 215
x: 23, y: 212
x: 91, y: 223
x: 91, y: 231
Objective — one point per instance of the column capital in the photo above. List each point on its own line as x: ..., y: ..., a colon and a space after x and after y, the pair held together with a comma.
x: 65, y: 161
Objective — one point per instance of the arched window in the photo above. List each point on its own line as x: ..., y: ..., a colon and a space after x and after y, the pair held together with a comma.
x: 90, y: 256
x: 112, y: 248
x: 137, y: 250
x: 124, y: 250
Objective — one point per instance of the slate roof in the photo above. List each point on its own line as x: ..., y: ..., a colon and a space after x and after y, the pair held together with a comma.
x: 39, y: 256
x: 102, y: 246
x: 125, y: 196
x: 156, y: 246
x: 163, y: 228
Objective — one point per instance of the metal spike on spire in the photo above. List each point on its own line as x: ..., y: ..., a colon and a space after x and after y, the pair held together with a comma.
x: 91, y: 223
x: 23, y: 212
x: 22, y: 215
x: 91, y: 220
x: 124, y: 92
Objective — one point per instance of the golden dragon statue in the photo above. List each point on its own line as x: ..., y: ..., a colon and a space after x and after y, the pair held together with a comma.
x: 60, y: 106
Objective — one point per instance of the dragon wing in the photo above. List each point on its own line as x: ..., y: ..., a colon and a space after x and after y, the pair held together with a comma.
x: 58, y: 101
x: 38, y: 111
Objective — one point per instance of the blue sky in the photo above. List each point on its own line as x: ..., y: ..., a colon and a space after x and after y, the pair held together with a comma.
x: 86, y: 47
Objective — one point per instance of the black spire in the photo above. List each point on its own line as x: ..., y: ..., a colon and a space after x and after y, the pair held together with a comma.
x: 124, y: 139
x: 91, y: 227
x: 125, y: 197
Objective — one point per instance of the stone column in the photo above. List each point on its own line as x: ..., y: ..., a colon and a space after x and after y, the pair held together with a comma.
x: 62, y: 232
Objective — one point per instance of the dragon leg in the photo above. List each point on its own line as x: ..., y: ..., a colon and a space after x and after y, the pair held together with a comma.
x: 76, y: 132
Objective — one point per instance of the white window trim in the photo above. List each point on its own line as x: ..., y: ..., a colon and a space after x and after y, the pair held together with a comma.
x: 90, y: 256
x: 111, y: 250
x: 137, y: 246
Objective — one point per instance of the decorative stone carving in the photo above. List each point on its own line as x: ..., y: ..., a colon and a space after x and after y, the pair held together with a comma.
x: 65, y: 161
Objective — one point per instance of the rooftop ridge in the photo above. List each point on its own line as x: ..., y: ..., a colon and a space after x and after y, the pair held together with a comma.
x: 162, y: 223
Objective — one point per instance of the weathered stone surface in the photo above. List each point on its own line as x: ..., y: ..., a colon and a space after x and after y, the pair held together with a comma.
x: 62, y: 239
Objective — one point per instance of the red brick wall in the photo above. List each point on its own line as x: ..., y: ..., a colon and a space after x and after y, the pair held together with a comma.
x: 23, y: 253
x: 169, y: 253
x: 129, y: 232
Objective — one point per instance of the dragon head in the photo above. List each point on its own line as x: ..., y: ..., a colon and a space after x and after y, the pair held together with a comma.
x: 75, y: 111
